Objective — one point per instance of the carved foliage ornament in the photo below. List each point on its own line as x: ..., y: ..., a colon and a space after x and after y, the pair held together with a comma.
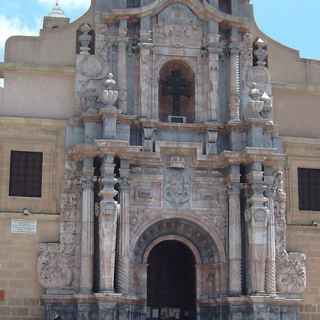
x: 53, y: 268
x: 291, y: 267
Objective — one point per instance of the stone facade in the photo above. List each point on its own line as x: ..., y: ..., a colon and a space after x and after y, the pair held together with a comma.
x: 213, y: 179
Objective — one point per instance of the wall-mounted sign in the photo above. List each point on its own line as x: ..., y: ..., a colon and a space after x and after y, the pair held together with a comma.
x: 22, y: 226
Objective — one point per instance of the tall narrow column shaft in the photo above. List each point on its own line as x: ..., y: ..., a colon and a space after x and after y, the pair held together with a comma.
x: 122, y: 66
x: 234, y: 232
x: 87, y: 228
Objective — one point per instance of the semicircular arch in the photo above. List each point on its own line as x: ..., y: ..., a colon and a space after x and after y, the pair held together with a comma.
x: 185, y: 230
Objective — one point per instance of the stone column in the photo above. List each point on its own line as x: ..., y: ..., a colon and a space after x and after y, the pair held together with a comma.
x: 234, y: 96
x: 213, y: 51
x: 271, y: 249
x: 123, y: 266
x: 122, y: 66
x: 234, y: 232
x: 87, y: 227
x: 257, y: 217
x: 107, y: 226
x: 145, y: 68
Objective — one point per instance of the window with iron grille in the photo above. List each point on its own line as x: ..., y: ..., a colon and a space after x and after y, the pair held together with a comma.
x: 25, y: 174
x: 309, y: 189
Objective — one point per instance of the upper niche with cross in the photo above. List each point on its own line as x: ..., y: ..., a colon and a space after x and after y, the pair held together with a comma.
x: 176, y: 86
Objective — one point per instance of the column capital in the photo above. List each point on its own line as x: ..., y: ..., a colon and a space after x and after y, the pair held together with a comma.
x: 87, y: 182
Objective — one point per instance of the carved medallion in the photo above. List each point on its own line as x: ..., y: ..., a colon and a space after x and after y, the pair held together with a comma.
x: 177, y: 188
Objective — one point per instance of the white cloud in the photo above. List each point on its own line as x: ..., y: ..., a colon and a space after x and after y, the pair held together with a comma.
x: 68, y: 4
x: 11, y: 27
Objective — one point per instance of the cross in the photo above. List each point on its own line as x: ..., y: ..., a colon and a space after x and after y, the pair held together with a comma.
x: 176, y: 86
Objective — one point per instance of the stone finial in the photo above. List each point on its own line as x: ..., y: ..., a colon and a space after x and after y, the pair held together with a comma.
x: 260, y: 53
x: 110, y: 94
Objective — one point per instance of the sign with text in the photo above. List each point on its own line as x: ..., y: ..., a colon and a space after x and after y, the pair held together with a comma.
x: 21, y: 226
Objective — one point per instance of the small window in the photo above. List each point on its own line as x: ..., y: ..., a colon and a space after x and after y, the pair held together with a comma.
x: 133, y: 3
x: 309, y: 189
x: 25, y: 174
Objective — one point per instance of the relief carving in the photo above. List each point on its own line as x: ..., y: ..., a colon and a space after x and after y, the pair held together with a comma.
x: 54, y: 268
x: 177, y: 188
x: 56, y: 260
x: 177, y: 26
x: 147, y: 194
x: 291, y: 267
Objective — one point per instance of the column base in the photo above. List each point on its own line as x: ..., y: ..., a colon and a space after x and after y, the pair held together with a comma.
x: 101, y: 306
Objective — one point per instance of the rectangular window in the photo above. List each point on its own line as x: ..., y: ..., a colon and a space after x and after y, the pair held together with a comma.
x: 309, y: 189
x: 25, y: 174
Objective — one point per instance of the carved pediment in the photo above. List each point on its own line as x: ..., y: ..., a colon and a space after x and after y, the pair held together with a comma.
x: 178, y: 26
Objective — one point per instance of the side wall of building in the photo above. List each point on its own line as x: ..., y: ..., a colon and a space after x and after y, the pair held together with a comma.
x: 303, y: 230
x: 19, y: 251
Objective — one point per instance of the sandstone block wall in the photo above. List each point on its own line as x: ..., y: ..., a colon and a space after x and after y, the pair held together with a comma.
x: 18, y: 270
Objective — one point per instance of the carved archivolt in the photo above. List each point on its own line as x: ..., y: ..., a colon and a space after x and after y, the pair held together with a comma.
x: 179, y: 227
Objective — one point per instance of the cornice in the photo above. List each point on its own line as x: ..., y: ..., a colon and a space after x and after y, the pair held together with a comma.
x: 137, y: 156
x: 30, y: 68
x: 204, y: 11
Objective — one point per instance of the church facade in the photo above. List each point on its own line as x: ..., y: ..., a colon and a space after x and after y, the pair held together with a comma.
x: 159, y: 160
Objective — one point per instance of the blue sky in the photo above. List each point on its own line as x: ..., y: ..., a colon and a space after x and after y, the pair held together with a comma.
x: 292, y: 22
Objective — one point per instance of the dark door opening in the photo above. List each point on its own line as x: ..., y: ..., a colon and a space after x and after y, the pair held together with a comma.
x: 171, y: 284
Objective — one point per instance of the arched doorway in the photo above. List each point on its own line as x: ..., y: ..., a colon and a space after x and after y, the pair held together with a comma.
x: 171, y: 281
x: 176, y: 92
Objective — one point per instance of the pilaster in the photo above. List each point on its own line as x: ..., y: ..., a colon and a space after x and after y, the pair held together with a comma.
x: 87, y: 227
x: 213, y: 57
x: 122, y: 65
x: 234, y: 231
x: 271, y: 253
x: 124, y: 241
x: 145, y: 67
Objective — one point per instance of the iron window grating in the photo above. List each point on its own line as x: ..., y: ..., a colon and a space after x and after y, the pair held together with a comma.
x: 26, y: 174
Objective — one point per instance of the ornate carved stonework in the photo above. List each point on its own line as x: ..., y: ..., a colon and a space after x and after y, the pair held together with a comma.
x: 56, y: 261
x: 54, y: 268
x: 179, y: 227
x: 177, y: 188
x: 177, y: 26
x: 291, y: 267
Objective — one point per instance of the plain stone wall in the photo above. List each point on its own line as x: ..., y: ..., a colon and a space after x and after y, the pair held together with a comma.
x: 18, y: 253
x: 1, y: 97
x: 18, y: 270
x: 297, y: 112
x: 40, y: 95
